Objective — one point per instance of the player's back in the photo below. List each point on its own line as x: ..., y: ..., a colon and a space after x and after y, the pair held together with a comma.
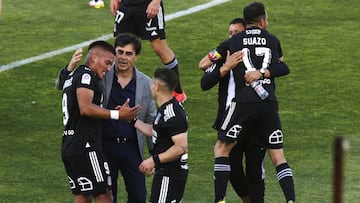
x: 260, y: 49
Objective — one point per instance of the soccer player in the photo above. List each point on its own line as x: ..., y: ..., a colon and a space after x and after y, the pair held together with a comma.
x: 249, y: 113
x: 146, y: 19
x: 169, y: 135
x: 221, y: 72
x: 88, y: 172
x: 123, y: 145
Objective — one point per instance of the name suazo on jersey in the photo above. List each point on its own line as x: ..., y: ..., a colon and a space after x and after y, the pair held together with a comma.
x: 261, y: 50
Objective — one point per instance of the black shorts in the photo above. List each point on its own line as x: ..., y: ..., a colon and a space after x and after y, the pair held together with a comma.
x: 88, y: 173
x: 258, y: 119
x: 133, y: 19
x: 168, y: 187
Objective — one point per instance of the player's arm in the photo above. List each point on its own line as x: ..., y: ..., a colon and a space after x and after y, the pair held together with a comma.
x: 213, y: 74
x: 87, y: 108
x: 76, y: 57
x: 276, y: 69
x: 210, y: 77
x: 231, y: 62
x: 153, y: 8
x: 205, y: 62
x: 114, y: 6
x: 179, y: 148
x: 145, y: 128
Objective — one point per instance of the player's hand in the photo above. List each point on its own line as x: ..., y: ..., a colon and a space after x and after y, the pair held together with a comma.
x: 147, y: 166
x: 114, y: 6
x: 127, y: 113
x: 76, y: 57
x: 153, y: 8
x: 252, y: 76
x: 234, y: 59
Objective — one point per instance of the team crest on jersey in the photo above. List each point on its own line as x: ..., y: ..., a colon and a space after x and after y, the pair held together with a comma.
x: 234, y: 131
x: 276, y: 137
x: 86, y: 79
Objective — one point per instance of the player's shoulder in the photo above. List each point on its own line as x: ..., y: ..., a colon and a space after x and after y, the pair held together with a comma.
x: 172, y: 109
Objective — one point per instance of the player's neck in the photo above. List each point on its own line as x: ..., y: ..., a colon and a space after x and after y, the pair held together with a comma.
x: 163, y: 98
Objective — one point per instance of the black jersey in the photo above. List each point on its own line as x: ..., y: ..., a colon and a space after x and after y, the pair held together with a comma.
x: 226, y: 91
x: 170, y: 120
x: 261, y: 49
x: 81, y: 132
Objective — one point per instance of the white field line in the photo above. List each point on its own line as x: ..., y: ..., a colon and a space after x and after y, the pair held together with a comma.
x: 105, y: 37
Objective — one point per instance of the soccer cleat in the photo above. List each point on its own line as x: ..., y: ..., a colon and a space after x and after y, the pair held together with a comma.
x: 97, y: 4
x: 181, y: 97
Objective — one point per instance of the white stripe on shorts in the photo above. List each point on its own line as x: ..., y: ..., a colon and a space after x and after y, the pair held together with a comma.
x: 96, y: 167
x: 164, y: 189
x: 228, y: 116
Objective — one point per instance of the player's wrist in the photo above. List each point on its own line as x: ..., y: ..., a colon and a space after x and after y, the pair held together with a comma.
x: 133, y: 121
x: 114, y: 114
x: 156, y: 159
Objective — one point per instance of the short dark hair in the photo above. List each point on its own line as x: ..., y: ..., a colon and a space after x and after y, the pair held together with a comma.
x: 124, y: 39
x: 237, y: 20
x: 167, y: 76
x: 253, y: 12
x: 102, y: 44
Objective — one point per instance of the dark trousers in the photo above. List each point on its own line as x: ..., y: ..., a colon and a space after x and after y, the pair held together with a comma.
x: 124, y: 156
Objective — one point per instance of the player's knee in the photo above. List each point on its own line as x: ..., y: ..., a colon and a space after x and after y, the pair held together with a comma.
x: 277, y: 156
x: 161, y: 49
x: 223, y: 149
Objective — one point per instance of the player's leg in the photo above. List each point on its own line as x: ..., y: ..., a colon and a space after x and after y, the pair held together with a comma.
x: 104, y: 198
x: 222, y: 168
x: 283, y: 173
x: 82, y: 199
x: 238, y: 179
x: 228, y: 135
x: 274, y: 138
x: 154, y: 30
x: 126, y: 22
x: 167, y: 189
x: 255, y: 172
x: 89, y: 176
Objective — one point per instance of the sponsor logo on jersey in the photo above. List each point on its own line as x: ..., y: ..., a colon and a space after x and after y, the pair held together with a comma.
x: 86, y: 79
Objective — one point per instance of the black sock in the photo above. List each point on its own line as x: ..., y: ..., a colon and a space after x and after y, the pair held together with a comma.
x: 285, y: 178
x: 221, y: 177
x: 174, y: 66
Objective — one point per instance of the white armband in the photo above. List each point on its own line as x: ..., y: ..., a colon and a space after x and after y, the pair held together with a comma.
x: 114, y: 114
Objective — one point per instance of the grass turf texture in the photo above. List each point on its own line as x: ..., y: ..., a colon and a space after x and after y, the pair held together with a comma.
x: 318, y: 100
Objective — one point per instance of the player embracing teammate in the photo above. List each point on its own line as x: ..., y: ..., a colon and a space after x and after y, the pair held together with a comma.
x: 253, y: 112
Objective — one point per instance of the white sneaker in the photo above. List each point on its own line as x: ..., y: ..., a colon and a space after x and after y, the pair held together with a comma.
x: 96, y: 4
